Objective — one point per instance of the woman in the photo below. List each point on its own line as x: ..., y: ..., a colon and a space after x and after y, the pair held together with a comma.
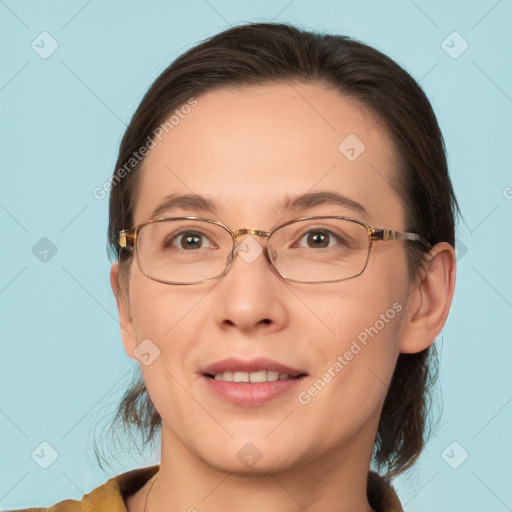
x: 283, y: 222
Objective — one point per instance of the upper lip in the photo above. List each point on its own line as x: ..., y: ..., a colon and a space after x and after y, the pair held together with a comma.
x: 253, y: 365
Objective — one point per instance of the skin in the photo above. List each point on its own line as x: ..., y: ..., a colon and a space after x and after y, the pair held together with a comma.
x: 247, y: 149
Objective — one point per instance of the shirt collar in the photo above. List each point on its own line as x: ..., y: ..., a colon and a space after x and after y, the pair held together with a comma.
x: 381, y: 495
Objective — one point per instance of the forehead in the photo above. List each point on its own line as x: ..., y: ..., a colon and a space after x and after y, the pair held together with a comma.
x: 249, y: 149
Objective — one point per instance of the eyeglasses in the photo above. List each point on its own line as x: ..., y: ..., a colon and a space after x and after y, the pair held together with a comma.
x: 193, y: 250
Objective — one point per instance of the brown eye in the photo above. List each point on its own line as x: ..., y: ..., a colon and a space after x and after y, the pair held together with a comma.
x: 189, y: 241
x: 319, y: 239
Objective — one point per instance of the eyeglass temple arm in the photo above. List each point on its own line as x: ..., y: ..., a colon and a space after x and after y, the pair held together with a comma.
x: 126, y: 238
x: 391, y: 234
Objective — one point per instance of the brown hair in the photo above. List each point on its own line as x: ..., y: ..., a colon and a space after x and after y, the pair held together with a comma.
x: 265, y: 53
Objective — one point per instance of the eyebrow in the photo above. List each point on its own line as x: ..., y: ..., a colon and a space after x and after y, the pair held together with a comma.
x: 289, y: 204
x: 183, y: 202
x: 312, y: 199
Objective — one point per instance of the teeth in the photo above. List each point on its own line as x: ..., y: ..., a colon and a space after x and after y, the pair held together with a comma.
x: 241, y: 377
x: 271, y: 376
x: 227, y: 376
x: 260, y: 376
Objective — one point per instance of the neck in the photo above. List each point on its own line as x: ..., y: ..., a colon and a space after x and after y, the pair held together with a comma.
x: 335, y: 481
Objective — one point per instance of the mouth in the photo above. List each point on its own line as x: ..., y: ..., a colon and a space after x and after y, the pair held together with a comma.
x: 251, y: 383
x: 255, y: 370
x: 253, y: 377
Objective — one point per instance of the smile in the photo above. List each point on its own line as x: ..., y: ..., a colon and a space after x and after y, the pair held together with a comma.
x: 250, y: 383
x: 259, y: 376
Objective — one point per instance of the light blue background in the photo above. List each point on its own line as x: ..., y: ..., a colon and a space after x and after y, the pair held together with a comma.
x: 63, y: 367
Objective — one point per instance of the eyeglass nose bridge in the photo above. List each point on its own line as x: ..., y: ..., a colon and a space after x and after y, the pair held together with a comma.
x: 248, y: 231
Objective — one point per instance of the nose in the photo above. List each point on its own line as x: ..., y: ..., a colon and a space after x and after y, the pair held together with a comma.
x: 250, y: 294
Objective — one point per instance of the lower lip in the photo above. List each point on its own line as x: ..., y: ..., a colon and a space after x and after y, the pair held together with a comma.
x: 251, y: 394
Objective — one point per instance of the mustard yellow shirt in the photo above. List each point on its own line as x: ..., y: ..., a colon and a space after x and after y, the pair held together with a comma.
x: 110, y: 497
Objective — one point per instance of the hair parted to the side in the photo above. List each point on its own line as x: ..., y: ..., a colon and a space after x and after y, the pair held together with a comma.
x: 265, y: 53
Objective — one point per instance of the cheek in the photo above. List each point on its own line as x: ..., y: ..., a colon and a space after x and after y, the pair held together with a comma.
x: 353, y: 368
x: 174, y: 320
x: 362, y: 309
x: 361, y: 337
x: 160, y: 311
x: 170, y: 318
x: 356, y: 353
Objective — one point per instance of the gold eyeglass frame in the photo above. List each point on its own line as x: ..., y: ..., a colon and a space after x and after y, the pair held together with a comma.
x: 128, y: 240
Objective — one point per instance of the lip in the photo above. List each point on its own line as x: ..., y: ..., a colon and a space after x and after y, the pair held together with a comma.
x: 254, y: 365
x: 250, y: 394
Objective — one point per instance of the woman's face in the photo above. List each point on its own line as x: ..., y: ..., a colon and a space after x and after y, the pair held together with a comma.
x: 247, y: 151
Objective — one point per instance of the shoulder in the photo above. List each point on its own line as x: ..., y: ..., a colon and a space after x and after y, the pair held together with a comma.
x: 62, y: 506
x: 109, y: 496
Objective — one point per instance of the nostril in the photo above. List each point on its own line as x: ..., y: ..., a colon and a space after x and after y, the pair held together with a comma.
x: 265, y: 321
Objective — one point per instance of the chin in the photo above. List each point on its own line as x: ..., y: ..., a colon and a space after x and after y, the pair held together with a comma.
x: 252, y: 455
x: 250, y: 465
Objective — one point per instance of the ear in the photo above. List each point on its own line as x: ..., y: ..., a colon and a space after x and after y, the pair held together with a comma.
x: 123, y: 308
x: 430, y: 300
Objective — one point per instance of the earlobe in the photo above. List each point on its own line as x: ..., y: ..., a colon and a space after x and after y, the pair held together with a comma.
x: 123, y: 308
x: 430, y: 301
